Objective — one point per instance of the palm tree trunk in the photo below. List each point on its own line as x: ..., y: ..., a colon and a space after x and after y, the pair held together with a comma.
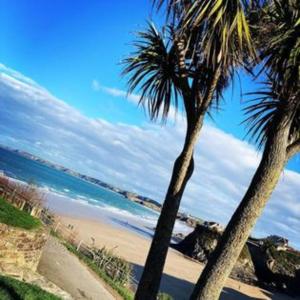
x: 219, y: 266
x: 182, y: 171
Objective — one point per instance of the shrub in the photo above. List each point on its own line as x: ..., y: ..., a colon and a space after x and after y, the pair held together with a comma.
x: 164, y: 296
x: 23, y: 196
x: 116, y: 282
x: 12, y: 289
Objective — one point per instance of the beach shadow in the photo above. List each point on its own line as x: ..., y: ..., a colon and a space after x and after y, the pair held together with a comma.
x: 181, y: 289
x: 134, y: 228
x: 278, y: 296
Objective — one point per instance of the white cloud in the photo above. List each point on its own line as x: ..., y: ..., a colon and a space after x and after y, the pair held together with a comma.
x: 141, y: 158
x: 95, y: 85
x: 132, y: 98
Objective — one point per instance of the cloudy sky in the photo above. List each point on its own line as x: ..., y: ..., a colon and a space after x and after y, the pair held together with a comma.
x: 61, y: 97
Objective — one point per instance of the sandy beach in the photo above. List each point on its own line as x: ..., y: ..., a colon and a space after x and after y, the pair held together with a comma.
x: 180, y: 273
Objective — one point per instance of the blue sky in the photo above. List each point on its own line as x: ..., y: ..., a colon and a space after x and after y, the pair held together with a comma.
x: 64, y: 45
x: 73, y: 50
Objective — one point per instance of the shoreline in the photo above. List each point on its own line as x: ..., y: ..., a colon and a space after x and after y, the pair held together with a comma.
x: 180, y: 272
x: 138, y: 199
x: 130, y: 239
x: 122, y: 219
x: 79, y: 206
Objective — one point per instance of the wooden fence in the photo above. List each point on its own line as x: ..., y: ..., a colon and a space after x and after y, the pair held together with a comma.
x: 110, y: 264
x: 102, y: 258
x: 16, y: 195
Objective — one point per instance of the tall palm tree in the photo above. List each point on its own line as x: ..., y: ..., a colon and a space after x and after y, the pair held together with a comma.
x: 193, y: 59
x: 274, y: 118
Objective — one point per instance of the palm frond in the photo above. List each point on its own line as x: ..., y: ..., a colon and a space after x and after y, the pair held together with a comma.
x: 279, y: 39
x: 152, y: 71
x: 263, y: 110
x: 175, y: 9
x: 225, y: 34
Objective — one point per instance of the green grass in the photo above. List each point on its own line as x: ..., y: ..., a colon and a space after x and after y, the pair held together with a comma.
x: 14, y: 217
x: 164, y: 296
x: 12, y: 289
x: 286, y: 259
x: 125, y: 293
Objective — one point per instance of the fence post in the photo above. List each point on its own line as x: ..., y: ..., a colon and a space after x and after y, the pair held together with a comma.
x: 79, y: 244
x: 13, y: 195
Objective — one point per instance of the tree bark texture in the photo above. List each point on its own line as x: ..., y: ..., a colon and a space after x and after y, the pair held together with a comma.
x: 182, y: 171
x: 219, y: 266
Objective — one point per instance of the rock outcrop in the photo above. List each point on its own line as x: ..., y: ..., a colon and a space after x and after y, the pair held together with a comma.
x: 200, y: 244
x: 262, y: 261
x: 277, y: 268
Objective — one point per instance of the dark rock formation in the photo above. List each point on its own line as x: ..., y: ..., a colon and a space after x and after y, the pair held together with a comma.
x: 200, y: 243
x: 262, y: 262
x: 276, y: 268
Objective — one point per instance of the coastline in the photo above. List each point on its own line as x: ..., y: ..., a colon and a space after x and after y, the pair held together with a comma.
x: 143, y: 201
x: 130, y: 237
x: 180, y: 273
x: 120, y: 219
x: 132, y: 243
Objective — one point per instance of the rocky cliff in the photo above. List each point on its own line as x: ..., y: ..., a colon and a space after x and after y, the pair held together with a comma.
x: 276, y: 268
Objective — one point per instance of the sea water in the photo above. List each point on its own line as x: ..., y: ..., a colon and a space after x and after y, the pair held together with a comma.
x: 67, y: 194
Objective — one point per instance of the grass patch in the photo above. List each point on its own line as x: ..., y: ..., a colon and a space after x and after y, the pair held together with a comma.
x: 164, y: 296
x: 118, y: 286
x: 12, y: 289
x: 14, y: 217
x: 125, y: 293
x: 285, y: 259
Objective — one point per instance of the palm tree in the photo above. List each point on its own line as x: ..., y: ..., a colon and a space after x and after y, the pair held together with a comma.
x: 274, y: 119
x: 193, y: 59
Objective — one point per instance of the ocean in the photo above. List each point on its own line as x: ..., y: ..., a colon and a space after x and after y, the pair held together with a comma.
x: 70, y: 195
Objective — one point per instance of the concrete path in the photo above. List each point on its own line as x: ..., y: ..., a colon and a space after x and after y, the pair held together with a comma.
x: 65, y: 270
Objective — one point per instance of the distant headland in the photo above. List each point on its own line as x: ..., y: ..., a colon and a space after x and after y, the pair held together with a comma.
x: 191, y: 221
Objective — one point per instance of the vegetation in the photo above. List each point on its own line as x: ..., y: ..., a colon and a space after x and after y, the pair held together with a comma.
x: 194, y: 59
x: 23, y: 196
x: 288, y: 260
x: 118, y: 269
x: 12, y: 289
x: 14, y: 217
x: 164, y: 296
x: 274, y: 120
x: 116, y: 284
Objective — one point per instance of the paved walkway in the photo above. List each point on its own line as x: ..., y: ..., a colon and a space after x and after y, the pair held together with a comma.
x: 66, y: 271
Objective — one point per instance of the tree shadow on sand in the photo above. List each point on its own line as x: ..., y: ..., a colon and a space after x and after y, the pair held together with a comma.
x: 181, y: 289
x: 134, y: 228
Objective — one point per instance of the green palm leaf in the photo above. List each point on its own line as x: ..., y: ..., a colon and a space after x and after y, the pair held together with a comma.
x: 262, y: 111
x: 226, y: 37
x: 152, y: 71
x: 279, y: 39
